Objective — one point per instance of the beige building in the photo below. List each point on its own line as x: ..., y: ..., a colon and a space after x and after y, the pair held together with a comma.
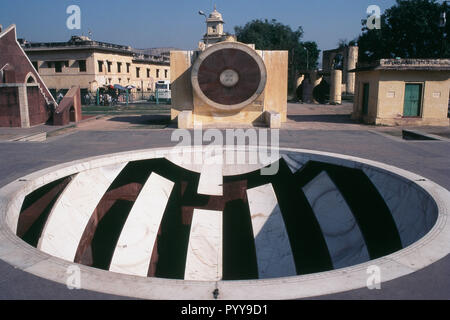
x: 403, y: 91
x: 93, y: 64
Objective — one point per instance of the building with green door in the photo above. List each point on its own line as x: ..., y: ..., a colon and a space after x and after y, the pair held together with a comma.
x: 403, y: 92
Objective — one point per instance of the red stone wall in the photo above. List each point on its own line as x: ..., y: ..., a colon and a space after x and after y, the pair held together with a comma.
x: 61, y: 119
x: 9, y: 107
x: 38, y: 111
x: 17, y: 68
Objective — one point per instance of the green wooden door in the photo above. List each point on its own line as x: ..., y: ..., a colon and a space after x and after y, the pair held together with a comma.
x: 413, y: 100
x: 365, y: 106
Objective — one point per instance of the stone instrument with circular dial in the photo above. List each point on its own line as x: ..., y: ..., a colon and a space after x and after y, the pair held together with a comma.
x: 229, y: 76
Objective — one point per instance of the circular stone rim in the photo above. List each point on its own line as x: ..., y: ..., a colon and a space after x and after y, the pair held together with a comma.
x: 430, y: 248
x: 229, y: 45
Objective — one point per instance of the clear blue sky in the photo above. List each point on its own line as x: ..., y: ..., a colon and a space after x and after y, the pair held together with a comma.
x: 176, y: 23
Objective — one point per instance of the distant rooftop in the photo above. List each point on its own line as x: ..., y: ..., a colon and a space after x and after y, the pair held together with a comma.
x: 83, y: 43
x: 406, y: 64
x: 157, y: 51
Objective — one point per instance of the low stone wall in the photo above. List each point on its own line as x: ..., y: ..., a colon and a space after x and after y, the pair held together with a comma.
x: 69, y: 109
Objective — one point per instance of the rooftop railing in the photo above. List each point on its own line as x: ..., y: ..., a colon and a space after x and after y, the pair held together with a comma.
x: 70, y: 44
x: 96, y: 45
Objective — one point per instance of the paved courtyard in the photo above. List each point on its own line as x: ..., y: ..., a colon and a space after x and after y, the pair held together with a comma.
x: 316, y: 127
x: 300, y: 117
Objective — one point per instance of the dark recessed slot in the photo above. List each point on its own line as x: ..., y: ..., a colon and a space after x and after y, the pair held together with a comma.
x: 173, y: 240
x: 239, y: 255
x: 36, y: 208
x: 308, y: 245
x: 409, y: 135
x: 108, y: 233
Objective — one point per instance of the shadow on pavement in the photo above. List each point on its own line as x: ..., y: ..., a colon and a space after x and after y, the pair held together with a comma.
x: 143, y: 119
x: 327, y: 118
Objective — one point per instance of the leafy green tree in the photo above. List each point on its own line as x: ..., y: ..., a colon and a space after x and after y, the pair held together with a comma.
x: 273, y: 35
x: 409, y: 29
x: 342, y: 43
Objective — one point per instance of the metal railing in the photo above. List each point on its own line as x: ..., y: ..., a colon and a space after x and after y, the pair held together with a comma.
x: 121, y: 98
x: 139, y: 57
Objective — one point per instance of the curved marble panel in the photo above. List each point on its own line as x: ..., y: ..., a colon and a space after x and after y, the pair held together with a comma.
x: 235, y: 162
x: 137, y: 239
x: 294, y: 161
x: 273, y: 249
x: 204, y: 255
x: 342, y: 234
x: 211, y: 178
x: 413, y: 211
x: 72, y: 211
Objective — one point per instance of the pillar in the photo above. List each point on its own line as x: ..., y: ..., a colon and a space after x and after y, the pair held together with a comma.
x: 309, y: 84
x: 23, y: 106
x: 307, y: 90
x: 352, y: 59
x: 336, y: 87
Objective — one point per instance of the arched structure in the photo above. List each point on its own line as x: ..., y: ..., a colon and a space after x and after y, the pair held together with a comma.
x: 30, y: 78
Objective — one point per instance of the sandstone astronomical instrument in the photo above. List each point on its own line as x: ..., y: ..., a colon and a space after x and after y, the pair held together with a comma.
x: 229, y: 83
x: 229, y: 76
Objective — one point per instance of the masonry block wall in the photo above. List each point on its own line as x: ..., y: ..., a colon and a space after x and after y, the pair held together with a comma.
x: 9, y: 107
x: 37, y: 106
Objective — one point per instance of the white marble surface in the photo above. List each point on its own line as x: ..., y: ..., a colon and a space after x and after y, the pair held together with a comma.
x: 135, y: 245
x: 294, y: 161
x: 72, y: 211
x: 15, y: 206
x: 204, y: 255
x: 273, y: 249
x: 413, y: 211
x: 187, y: 158
x: 236, y: 161
x: 342, y: 234
x: 211, y: 178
